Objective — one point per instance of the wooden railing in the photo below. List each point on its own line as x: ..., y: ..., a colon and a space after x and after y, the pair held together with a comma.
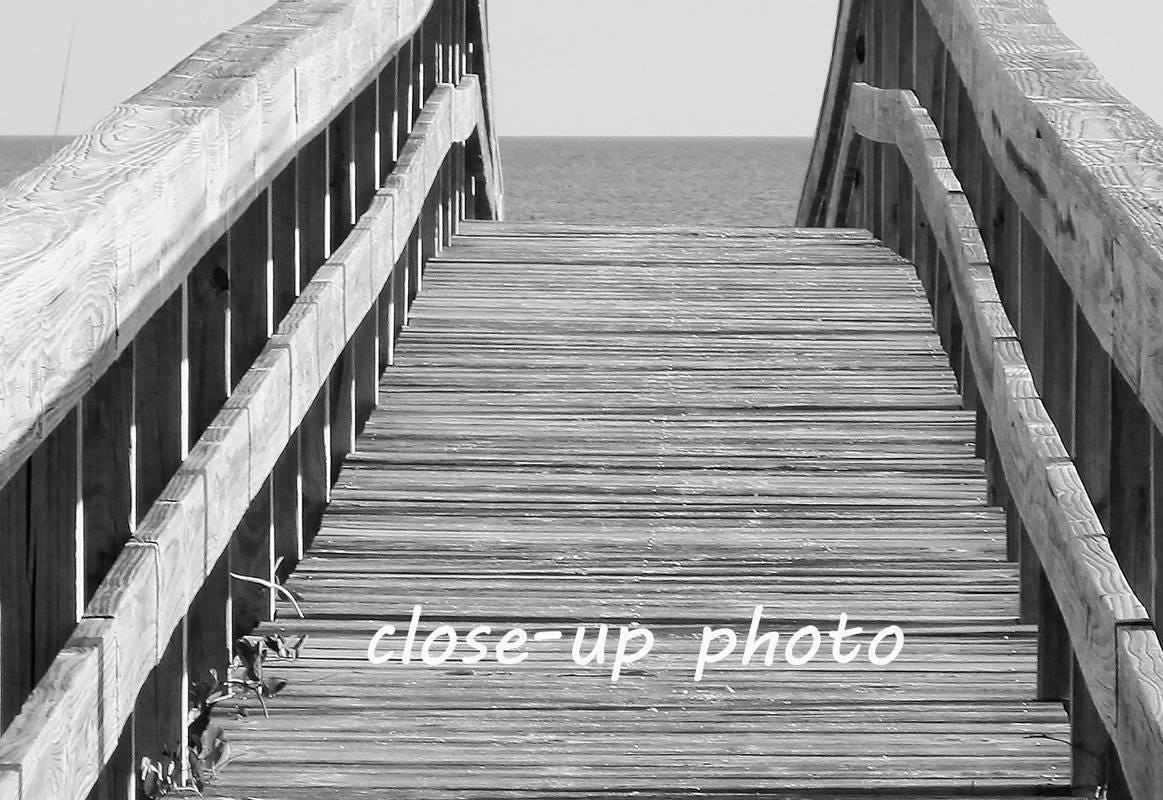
x: 1039, y: 241
x: 200, y: 295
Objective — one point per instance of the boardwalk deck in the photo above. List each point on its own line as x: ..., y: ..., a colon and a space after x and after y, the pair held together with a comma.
x: 665, y: 427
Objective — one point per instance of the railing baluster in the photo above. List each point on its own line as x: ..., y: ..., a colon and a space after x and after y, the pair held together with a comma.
x: 286, y: 482
x: 208, y: 296
x: 313, y: 226
x: 16, y: 632
x: 251, y: 551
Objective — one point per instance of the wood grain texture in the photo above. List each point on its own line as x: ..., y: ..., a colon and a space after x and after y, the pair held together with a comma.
x: 1082, y: 162
x: 93, y: 241
x: 181, y: 539
x: 1064, y: 524
x: 666, y: 426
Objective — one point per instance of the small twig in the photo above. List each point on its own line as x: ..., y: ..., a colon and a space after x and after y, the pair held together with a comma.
x: 273, y: 587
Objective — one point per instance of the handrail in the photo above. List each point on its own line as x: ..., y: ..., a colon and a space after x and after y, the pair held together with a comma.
x: 1082, y: 162
x: 231, y: 185
x: 73, y: 719
x: 1117, y: 649
x: 93, y: 241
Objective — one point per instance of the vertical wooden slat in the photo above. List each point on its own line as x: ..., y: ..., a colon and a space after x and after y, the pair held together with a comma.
x: 52, y: 536
x: 366, y: 138
x: 15, y: 597
x: 388, y: 111
x: 1059, y: 353
x: 286, y: 500
x: 365, y: 354
x: 889, y: 33
x: 1131, y: 534
x: 313, y: 226
x: 160, y: 713
x: 1090, y: 743
x: 208, y: 294
x: 874, y: 37
x: 284, y: 242
x: 1155, y: 603
x: 158, y: 352
x: 1092, y: 449
x: 405, y: 105
x: 251, y: 550
x: 1092, y: 417
x: 1054, y: 655
x: 416, y: 95
x: 431, y: 55
x: 162, y: 438
x: 340, y: 163
x: 107, y: 474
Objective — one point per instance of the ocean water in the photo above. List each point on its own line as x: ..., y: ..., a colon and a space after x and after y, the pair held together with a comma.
x: 20, y: 153
x: 649, y: 181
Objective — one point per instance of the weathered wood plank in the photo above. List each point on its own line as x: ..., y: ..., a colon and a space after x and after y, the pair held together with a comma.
x: 567, y: 441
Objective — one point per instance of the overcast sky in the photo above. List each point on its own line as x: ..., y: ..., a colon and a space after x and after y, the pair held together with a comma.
x: 563, y: 67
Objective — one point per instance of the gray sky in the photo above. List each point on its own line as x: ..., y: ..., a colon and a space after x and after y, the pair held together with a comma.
x: 581, y: 67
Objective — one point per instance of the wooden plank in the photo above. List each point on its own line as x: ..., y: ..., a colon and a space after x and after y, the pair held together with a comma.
x: 510, y: 475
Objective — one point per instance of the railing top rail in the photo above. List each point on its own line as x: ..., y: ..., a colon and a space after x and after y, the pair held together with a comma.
x: 93, y: 241
x: 1084, y: 164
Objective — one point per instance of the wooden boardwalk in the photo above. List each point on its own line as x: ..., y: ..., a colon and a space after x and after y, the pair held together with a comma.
x: 667, y: 428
